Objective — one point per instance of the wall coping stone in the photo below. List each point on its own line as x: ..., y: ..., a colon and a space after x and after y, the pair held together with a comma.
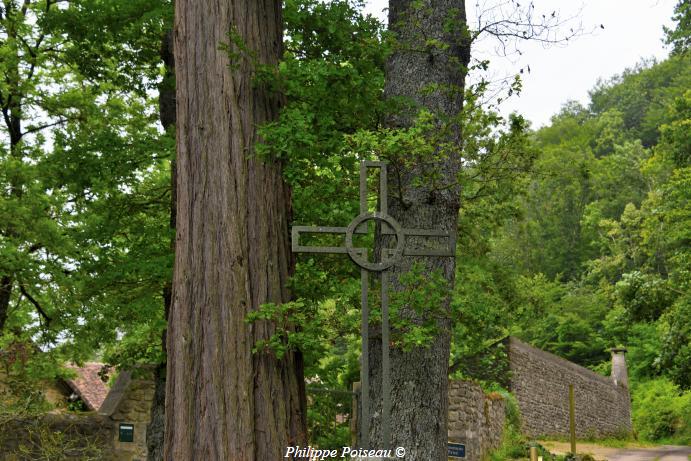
x: 117, y: 392
x: 548, y: 356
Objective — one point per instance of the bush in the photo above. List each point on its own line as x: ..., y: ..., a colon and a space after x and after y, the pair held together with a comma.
x: 513, y: 445
x: 328, y: 418
x: 661, y: 411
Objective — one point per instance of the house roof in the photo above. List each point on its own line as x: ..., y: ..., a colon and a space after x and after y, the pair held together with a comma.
x: 88, y: 384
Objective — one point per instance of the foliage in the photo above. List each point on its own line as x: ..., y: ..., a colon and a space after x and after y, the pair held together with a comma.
x: 513, y: 445
x: 596, y: 251
x: 661, y: 411
x: 680, y: 36
x: 642, y: 96
x: 23, y: 371
x: 328, y: 416
x: 592, y: 251
x: 47, y: 443
x: 420, y: 292
x: 84, y: 177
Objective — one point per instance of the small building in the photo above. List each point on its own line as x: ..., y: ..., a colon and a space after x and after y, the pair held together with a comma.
x: 128, y: 406
x: 117, y: 416
x: 88, y: 386
x: 86, y: 390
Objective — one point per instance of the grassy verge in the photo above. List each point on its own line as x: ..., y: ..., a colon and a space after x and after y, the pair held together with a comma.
x: 611, y: 442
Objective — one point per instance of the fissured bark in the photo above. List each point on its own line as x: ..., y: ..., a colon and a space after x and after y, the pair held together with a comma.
x: 427, y: 68
x: 232, y: 249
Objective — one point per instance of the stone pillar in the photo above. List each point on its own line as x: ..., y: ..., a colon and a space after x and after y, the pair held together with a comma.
x: 619, y: 374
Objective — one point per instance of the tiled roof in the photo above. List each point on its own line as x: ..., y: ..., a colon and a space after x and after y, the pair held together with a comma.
x: 88, y: 384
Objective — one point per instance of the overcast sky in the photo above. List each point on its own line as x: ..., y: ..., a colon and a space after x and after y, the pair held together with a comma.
x: 632, y: 31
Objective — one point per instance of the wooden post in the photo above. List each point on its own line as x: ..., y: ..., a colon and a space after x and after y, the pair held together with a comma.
x: 354, y: 415
x: 533, y: 453
x: 572, y: 419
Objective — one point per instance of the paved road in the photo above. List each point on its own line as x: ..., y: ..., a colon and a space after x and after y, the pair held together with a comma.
x: 661, y: 453
x: 657, y: 453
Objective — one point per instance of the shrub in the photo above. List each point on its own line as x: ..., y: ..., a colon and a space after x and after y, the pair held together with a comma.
x: 513, y: 445
x: 661, y: 411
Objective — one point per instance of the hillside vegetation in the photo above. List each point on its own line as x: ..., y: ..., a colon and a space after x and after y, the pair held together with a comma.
x: 595, y: 251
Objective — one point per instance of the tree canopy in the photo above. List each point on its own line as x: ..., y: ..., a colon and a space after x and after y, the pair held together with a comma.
x: 574, y: 237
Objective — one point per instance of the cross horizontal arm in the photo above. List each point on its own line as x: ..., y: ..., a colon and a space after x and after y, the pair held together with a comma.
x: 449, y: 250
x: 297, y: 248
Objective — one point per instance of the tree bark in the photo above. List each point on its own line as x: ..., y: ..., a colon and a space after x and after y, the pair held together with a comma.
x: 155, y: 431
x: 419, y: 378
x: 5, y: 295
x: 232, y: 246
x: 11, y: 106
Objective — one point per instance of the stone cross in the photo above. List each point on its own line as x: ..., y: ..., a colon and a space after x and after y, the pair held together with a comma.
x: 389, y: 257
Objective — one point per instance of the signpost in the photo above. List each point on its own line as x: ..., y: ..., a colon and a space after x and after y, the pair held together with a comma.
x: 389, y: 257
x: 126, y: 432
x: 456, y: 451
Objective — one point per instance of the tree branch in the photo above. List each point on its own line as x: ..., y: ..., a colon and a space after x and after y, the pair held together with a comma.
x: 36, y: 304
x: 25, y: 7
x: 33, y: 52
x: 42, y: 127
x: 509, y: 21
x: 4, y: 106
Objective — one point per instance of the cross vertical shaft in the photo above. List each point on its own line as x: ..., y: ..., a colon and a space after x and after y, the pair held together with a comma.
x: 389, y: 257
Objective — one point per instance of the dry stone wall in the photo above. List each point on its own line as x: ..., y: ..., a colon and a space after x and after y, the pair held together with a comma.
x: 475, y: 419
x: 134, y: 408
x: 540, y: 381
x: 55, y: 436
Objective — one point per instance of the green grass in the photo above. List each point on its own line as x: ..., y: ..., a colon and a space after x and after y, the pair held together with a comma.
x: 610, y: 442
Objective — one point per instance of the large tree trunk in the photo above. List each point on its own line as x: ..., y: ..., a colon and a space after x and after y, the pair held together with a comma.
x: 5, y: 295
x: 155, y: 431
x: 12, y: 115
x: 232, y: 247
x: 419, y: 377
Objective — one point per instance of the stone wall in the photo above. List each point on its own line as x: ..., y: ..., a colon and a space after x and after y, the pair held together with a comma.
x: 132, y: 406
x: 475, y: 419
x: 540, y: 381
x: 56, y: 436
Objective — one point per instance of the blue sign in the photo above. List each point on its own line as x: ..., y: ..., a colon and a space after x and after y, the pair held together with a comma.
x: 456, y: 450
x: 126, y: 433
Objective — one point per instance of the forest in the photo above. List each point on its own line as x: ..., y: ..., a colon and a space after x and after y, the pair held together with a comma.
x: 574, y: 237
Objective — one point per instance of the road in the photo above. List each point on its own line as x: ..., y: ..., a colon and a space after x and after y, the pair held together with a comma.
x: 640, y: 453
x: 662, y: 453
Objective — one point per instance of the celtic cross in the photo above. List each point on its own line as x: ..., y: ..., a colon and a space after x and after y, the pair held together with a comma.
x: 389, y: 258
